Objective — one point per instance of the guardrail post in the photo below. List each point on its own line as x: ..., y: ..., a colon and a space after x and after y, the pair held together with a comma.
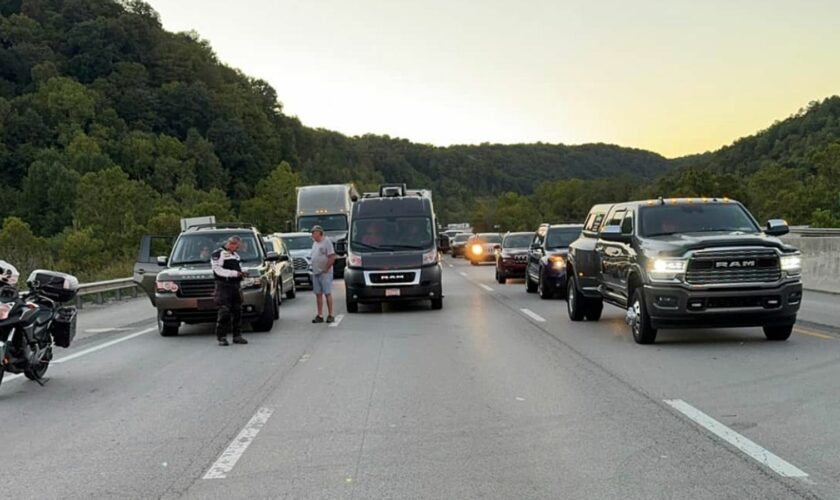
x: 119, y: 294
x: 134, y: 291
x: 78, y: 301
x: 99, y: 298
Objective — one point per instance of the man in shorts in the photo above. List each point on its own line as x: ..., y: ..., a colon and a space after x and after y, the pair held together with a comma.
x: 323, y: 258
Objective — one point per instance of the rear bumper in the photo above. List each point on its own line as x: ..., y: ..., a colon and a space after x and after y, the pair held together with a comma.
x: 429, y: 287
x: 173, y: 309
x: 676, y: 307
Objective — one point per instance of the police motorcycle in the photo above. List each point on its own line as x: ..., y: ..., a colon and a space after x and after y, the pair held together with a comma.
x: 32, y: 322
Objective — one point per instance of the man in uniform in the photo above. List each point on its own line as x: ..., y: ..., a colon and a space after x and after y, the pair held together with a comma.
x: 228, y: 275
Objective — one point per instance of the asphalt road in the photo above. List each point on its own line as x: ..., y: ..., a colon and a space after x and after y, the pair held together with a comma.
x: 498, y: 395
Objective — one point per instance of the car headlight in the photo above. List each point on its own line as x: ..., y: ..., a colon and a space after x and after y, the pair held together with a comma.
x: 558, y: 263
x: 354, y: 260
x: 166, y: 286
x: 251, y: 283
x: 430, y: 257
x: 667, y: 269
x: 792, y: 264
x: 477, y: 249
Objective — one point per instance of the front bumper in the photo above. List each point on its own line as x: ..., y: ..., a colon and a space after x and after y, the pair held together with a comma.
x: 428, y: 287
x: 512, y: 269
x: 303, y: 278
x: 555, y: 281
x: 174, y: 309
x: 483, y: 257
x: 678, y: 307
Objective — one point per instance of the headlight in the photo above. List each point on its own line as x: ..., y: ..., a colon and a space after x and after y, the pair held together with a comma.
x: 430, y: 257
x: 667, y: 269
x: 251, y: 283
x: 354, y: 260
x: 558, y: 263
x: 791, y: 263
x: 166, y: 286
x: 477, y: 249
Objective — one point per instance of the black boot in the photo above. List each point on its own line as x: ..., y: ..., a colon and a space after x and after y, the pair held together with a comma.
x: 239, y: 339
x: 223, y: 341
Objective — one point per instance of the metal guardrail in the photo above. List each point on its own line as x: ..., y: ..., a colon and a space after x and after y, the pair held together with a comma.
x: 815, y: 232
x: 100, y: 288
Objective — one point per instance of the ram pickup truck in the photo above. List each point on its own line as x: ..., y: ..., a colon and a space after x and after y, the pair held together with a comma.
x: 685, y: 263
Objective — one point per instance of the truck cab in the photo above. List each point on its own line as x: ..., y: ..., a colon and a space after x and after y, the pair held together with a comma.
x: 327, y: 206
x: 685, y: 263
x: 393, y: 250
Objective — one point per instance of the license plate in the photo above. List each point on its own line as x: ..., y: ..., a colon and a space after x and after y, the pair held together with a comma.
x: 206, y: 304
x: 392, y: 292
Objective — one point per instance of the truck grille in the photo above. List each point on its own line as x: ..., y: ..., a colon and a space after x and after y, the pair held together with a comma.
x: 196, y: 288
x: 300, y: 264
x: 393, y: 278
x: 733, y: 267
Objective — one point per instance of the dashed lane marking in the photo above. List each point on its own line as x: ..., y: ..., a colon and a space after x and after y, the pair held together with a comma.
x: 751, y: 449
x: 531, y: 314
x: 337, y: 321
x: 482, y: 285
x: 227, y: 460
x: 462, y: 273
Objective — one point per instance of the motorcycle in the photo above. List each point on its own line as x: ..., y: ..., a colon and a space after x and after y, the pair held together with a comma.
x: 32, y: 322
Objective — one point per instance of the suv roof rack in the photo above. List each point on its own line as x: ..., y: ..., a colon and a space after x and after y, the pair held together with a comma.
x: 222, y: 225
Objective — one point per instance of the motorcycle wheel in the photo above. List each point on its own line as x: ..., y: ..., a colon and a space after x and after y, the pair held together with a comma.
x: 38, y: 371
x: 2, y: 371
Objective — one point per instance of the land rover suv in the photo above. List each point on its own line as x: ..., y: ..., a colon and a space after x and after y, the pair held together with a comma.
x: 180, y: 284
x: 685, y: 263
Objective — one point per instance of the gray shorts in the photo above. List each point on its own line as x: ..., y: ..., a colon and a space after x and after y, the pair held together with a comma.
x: 322, y: 283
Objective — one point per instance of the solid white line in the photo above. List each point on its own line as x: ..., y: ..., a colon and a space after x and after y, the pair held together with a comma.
x: 227, y: 460
x: 531, y: 314
x: 781, y: 467
x: 482, y: 285
x: 99, y: 347
x: 462, y: 273
x: 337, y: 321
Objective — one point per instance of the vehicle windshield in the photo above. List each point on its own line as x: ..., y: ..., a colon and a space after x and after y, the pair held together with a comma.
x: 298, y: 242
x: 493, y: 238
x: 664, y: 220
x: 518, y: 240
x: 461, y: 237
x: 561, y: 238
x: 327, y: 222
x: 196, y: 248
x: 392, y: 233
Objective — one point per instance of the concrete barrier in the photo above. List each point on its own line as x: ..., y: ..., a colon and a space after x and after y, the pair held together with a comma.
x: 820, y: 262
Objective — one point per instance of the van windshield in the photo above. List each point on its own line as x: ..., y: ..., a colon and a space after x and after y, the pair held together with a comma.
x: 387, y: 234
x: 196, y: 248
x: 327, y: 222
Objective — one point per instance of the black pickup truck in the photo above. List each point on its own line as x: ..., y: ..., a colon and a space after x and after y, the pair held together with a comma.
x: 685, y: 263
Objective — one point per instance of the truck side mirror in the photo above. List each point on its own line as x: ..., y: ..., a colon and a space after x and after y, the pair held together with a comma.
x: 776, y: 227
x: 162, y: 260
x: 614, y: 234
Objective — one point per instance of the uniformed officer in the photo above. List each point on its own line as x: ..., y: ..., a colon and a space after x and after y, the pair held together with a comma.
x: 228, y: 274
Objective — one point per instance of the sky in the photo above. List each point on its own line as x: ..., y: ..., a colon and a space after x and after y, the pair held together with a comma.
x: 672, y: 76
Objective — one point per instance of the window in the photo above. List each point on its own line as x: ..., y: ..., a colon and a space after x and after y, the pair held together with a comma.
x: 615, y: 218
x: 593, y: 223
x: 627, y: 223
x: 663, y: 220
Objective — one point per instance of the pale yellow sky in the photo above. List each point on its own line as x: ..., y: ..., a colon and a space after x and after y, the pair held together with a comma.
x: 673, y: 76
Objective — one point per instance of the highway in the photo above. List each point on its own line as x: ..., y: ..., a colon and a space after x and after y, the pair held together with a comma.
x: 498, y: 395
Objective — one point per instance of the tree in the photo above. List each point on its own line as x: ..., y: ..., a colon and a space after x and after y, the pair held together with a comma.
x: 49, y: 194
x: 20, y: 246
x: 275, y: 200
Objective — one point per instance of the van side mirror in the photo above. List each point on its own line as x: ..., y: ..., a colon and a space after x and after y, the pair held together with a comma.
x: 776, y: 227
x: 443, y: 243
x: 162, y: 260
x: 614, y: 234
x: 284, y: 258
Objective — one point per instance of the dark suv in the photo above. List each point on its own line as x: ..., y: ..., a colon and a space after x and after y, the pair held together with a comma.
x: 458, y: 244
x: 685, y: 263
x: 546, y: 271
x: 512, y: 256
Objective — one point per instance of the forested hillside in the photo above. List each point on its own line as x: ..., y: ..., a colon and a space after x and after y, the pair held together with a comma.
x: 110, y: 127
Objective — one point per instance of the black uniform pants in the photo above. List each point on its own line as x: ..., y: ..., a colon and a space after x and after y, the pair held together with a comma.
x: 229, y: 318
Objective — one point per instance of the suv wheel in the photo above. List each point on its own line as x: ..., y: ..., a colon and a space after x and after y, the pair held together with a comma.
x: 637, y: 318
x: 574, y: 301
x: 437, y: 304
x: 593, y: 309
x: 167, y: 329
x: 545, y: 293
x: 530, y: 286
x: 293, y: 292
x: 266, y: 320
x: 500, y: 277
x: 778, y: 332
x: 352, y: 306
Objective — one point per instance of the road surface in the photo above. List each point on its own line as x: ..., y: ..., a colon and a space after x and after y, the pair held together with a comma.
x: 498, y: 395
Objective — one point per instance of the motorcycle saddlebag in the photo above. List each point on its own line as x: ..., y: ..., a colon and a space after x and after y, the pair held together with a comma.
x: 63, y: 328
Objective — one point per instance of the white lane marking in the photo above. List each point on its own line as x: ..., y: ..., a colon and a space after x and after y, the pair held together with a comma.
x: 105, y: 330
x: 450, y: 265
x: 85, y: 352
x: 337, y: 321
x: 482, y: 285
x: 462, y: 273
x: 304, y: 358
x: 754, y: 451
x: 531, y: 314
x: 227, y: 460
x: 99, y: 347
